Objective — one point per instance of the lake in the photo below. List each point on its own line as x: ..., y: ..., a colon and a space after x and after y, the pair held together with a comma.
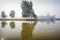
x: 29, y: 30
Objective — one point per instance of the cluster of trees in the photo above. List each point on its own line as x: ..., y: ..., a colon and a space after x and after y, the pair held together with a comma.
x: 12, y: 14
x: 27, y: 9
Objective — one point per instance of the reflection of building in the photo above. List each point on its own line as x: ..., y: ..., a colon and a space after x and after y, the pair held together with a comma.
x: 12, y: 25
x: 3, y: 23
x: 27, y: 30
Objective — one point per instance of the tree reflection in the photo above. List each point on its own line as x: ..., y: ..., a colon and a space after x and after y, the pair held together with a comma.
x: 27, y: 30
x: 12, y: 25
x: 3, y: 23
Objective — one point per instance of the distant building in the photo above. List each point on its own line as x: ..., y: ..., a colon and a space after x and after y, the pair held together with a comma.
x: 41, y: 17
x: 48, y: 17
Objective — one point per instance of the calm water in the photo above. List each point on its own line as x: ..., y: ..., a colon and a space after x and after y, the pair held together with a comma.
x: 29, y: 30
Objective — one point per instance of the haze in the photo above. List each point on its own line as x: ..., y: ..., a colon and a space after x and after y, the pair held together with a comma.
x: 41, y: 7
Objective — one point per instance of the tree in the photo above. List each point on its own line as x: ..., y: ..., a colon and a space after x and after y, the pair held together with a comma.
x: 31, y: 4
x: 27, y: 9
x: 12, y: 14
x: 3, y: 14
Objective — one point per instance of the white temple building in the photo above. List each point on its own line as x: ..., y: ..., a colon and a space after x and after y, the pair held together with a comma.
x: 47, y: 17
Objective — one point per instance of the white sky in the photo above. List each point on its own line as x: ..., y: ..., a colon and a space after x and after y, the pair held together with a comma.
x: 41, y: 7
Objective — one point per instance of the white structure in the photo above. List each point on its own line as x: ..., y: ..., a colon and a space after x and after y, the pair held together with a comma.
x: 48, y: 17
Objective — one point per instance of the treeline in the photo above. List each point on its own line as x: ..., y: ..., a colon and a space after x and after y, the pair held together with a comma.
x: 27, y: 10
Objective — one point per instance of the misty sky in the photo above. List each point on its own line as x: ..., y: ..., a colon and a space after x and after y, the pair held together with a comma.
x: 41, y: 7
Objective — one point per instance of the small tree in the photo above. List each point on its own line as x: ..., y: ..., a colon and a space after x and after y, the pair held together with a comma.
x: 3, y: 14
x: 12, y: 14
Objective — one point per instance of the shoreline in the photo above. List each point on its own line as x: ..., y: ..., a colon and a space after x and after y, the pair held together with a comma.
x: 27, y: 20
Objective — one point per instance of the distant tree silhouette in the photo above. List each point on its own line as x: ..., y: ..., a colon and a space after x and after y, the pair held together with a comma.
x: 3, y: 14
x: 12, y: 14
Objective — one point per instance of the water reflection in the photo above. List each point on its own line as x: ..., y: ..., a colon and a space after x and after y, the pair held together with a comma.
x: 27, y: 30
x: 12, y: 25
x: 48, y: 22
x: 3, y: 23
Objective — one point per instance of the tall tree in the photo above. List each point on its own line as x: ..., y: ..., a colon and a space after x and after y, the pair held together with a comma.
x: 12, y: 14
x: 27, y: 9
